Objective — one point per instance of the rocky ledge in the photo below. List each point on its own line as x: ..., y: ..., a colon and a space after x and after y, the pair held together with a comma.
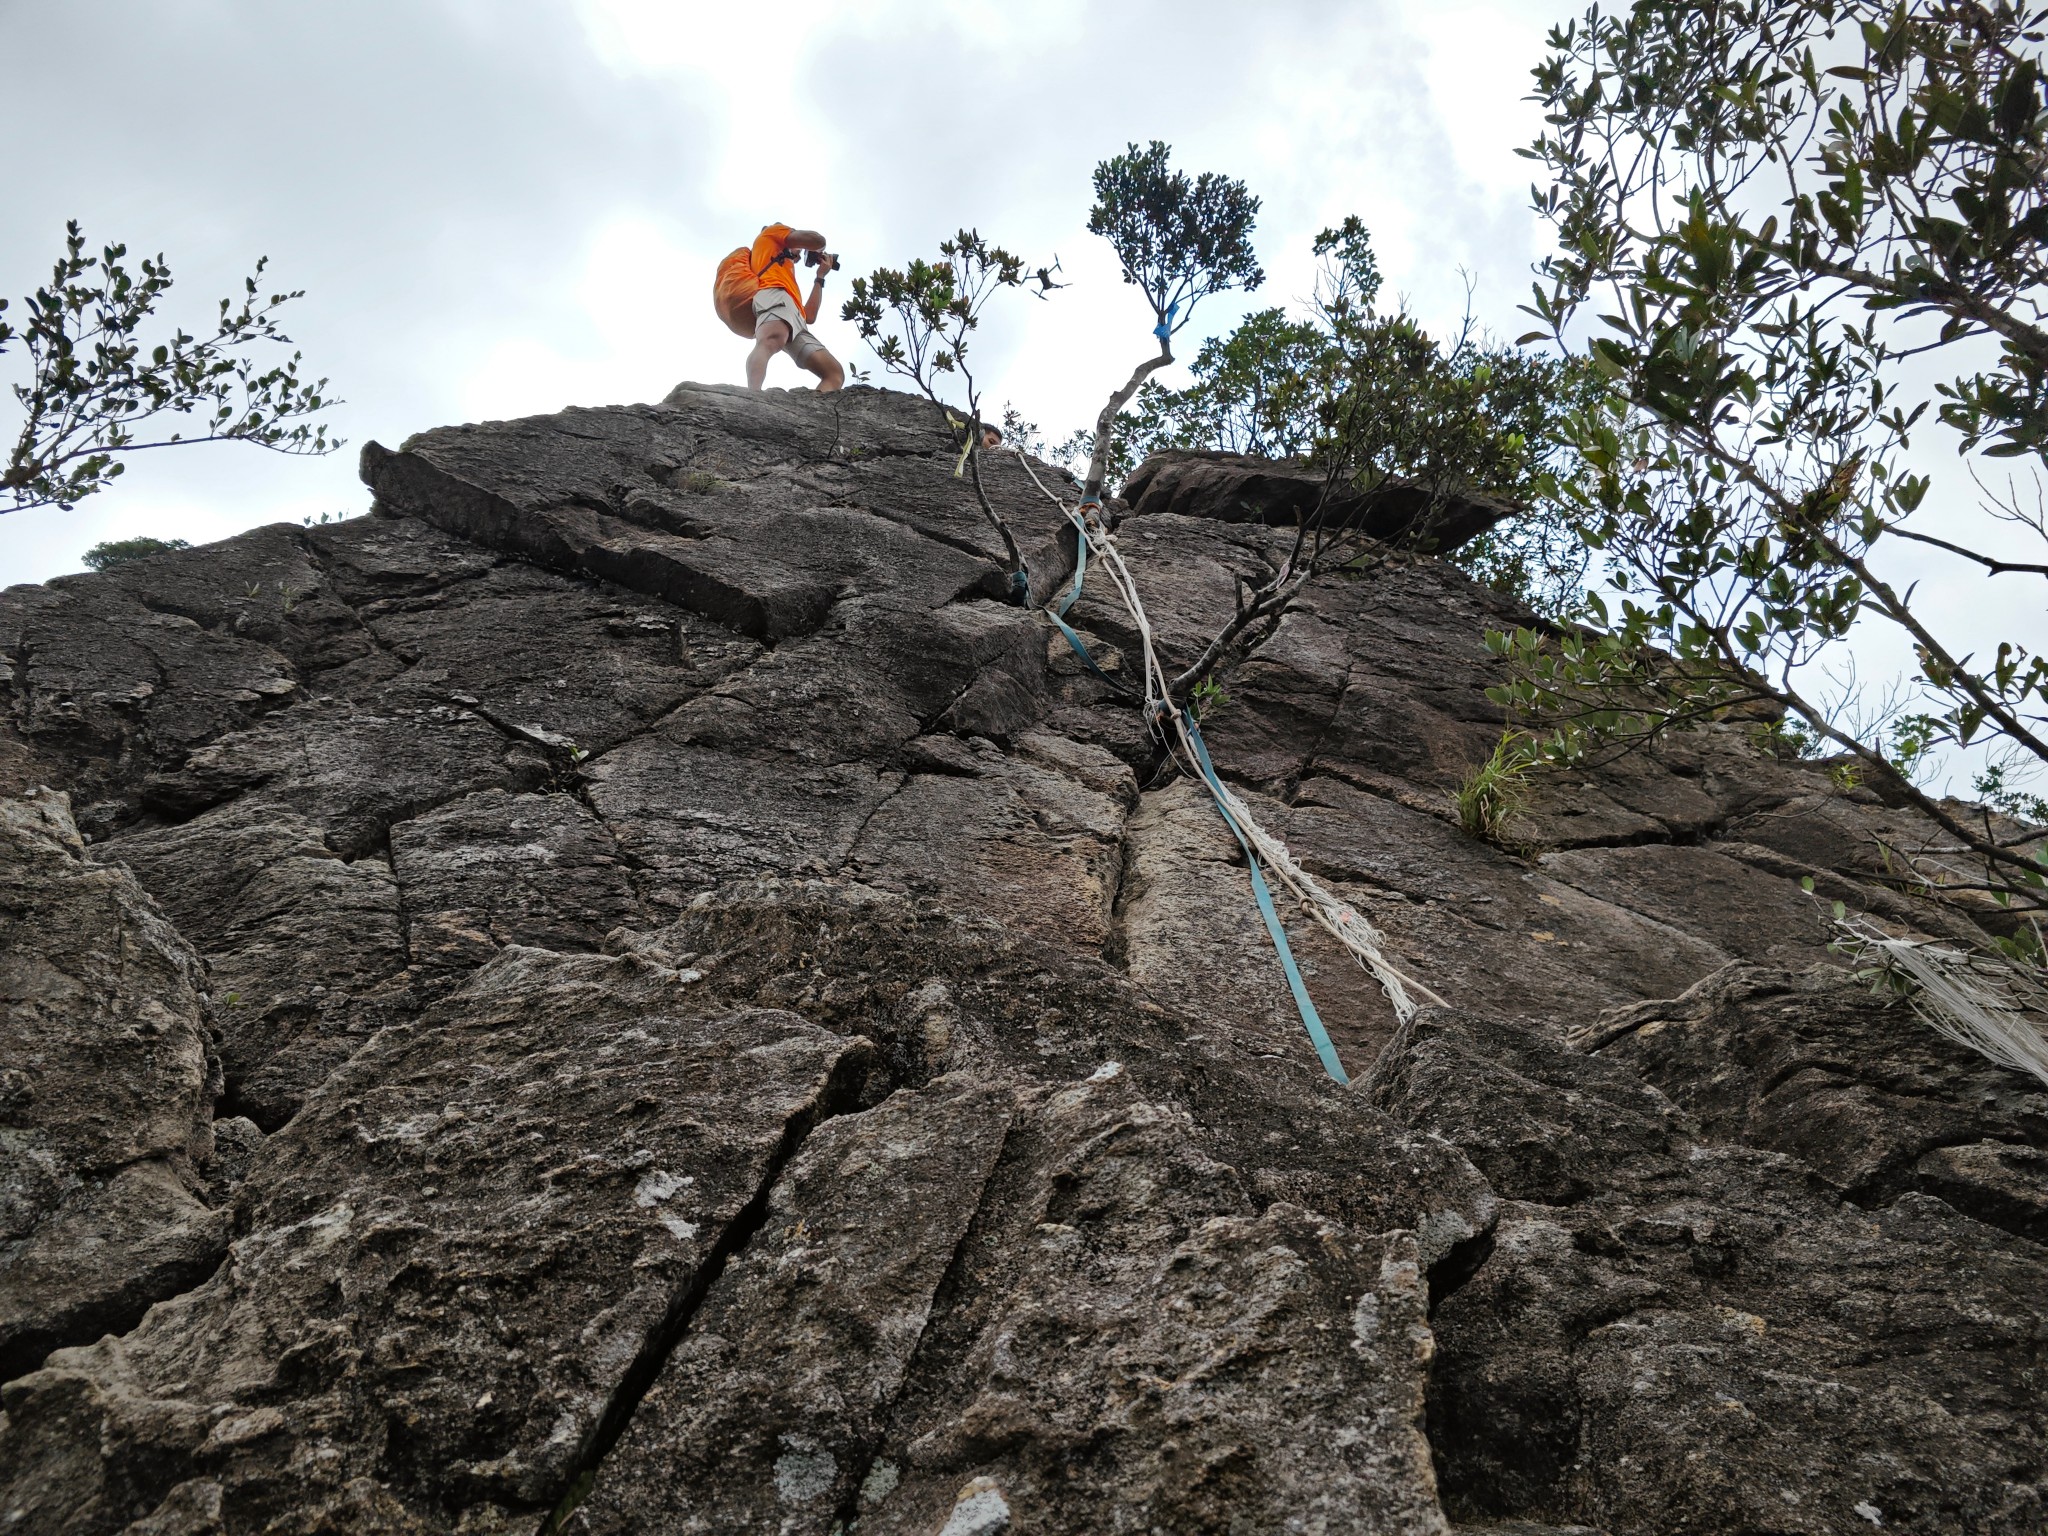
x: 629, y: 991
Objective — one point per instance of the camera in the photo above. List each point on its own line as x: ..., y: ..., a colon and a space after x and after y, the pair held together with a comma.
x: 823, y: 259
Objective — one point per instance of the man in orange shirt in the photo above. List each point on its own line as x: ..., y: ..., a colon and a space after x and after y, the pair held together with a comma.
x: 782, y: 315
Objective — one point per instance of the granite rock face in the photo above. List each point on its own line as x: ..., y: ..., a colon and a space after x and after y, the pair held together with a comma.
x: 107, y: 1086
x: 632, y: 991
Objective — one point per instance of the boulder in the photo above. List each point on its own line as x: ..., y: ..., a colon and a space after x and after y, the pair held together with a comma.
x: 1242, y: 488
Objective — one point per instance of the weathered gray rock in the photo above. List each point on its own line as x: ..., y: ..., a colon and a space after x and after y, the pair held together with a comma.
x: 770, y: 1409
x: 728, y: 1025
x: 496, y: 869
x: 1095, y: 1368
x: 1668, y: 1336
x: 447, y: 1265
x: 1005, y: 832
x: 1853, y: 1083
x: 300, y: 940
x: 1703, y: 893
x: 1995, y: 1181
x: 1213, y: 959
x: 107, y: 1083
x: 1236, y: 487
x: 103, y: 690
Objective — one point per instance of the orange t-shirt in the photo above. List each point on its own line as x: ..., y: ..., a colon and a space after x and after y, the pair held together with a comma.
x: 769, y: 244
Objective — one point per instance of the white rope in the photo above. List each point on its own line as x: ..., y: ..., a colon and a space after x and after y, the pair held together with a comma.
x: 1969, y: 998
x: 1342, y: 921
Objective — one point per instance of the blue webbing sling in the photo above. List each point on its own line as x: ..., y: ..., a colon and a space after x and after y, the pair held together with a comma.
x: 1311, y: 1020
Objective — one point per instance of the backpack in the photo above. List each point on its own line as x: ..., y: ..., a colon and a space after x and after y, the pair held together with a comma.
x: 733, y: 290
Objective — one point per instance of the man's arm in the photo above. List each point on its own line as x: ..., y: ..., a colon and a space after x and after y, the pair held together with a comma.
x: 817, y: 292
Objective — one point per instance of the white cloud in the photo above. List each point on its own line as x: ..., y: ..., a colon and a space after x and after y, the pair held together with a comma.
x: 1476, y: 61
x: 632, y: 317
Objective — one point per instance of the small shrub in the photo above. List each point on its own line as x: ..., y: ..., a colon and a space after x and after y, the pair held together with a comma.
x: 1788, y: 739
x: 120, y: 551
x: 1996, y: 787
x: 1207, y: 698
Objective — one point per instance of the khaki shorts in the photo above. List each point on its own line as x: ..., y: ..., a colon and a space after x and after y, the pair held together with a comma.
x: 776, y: 304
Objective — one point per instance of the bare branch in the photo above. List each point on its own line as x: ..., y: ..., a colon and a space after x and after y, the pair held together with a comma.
x: 1995, y: 567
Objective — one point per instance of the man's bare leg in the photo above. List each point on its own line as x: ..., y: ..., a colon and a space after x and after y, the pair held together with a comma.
x: 770, y: 337
x: 830, y: 375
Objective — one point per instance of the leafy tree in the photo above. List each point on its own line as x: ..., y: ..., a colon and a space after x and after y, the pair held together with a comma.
x: 1179, y: 239
x: 1770, y: 209
x: 1369, y: 396
x: 1455, y: 418
x: 1247, y: 395
x: 96, y: 393
x: 112, y: 552
x: 1379, y: 394
x: 1992, y: 786
x: 920, y: 320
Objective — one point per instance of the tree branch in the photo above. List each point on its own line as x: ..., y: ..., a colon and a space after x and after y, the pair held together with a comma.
x: 1016, y: 559
x: 1995, y: 567
x: 1105, y: 422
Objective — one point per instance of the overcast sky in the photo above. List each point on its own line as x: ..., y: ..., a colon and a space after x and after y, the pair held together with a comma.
x: 501, y: 207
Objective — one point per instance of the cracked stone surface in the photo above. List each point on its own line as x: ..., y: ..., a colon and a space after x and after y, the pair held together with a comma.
x: 771, y: 1405
x: 494, y: 869
x: 302, y: 944
x: 107, y: 1084
x: 630, y: 990
x: 1108, y: 1319
x: 1863, y: 1093
x: 1675, y: 1331
x: 445, y: 1264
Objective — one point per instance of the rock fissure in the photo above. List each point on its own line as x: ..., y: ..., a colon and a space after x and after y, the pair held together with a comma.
x: 1458, y: 1267
x: 944, y: 1297
x: 1307, y: 769
x: 841, y: 856
x: 1115, y: 943
x: 963, y: 545
x: 429, y: 592
x: 117, y: 1314
x: 841, y: 1096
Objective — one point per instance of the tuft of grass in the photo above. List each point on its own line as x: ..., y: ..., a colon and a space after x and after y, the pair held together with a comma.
x: 1492, y: 792
x: 699, y: 483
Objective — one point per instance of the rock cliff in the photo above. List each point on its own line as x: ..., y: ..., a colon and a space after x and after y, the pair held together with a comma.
x: 631, y: 992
